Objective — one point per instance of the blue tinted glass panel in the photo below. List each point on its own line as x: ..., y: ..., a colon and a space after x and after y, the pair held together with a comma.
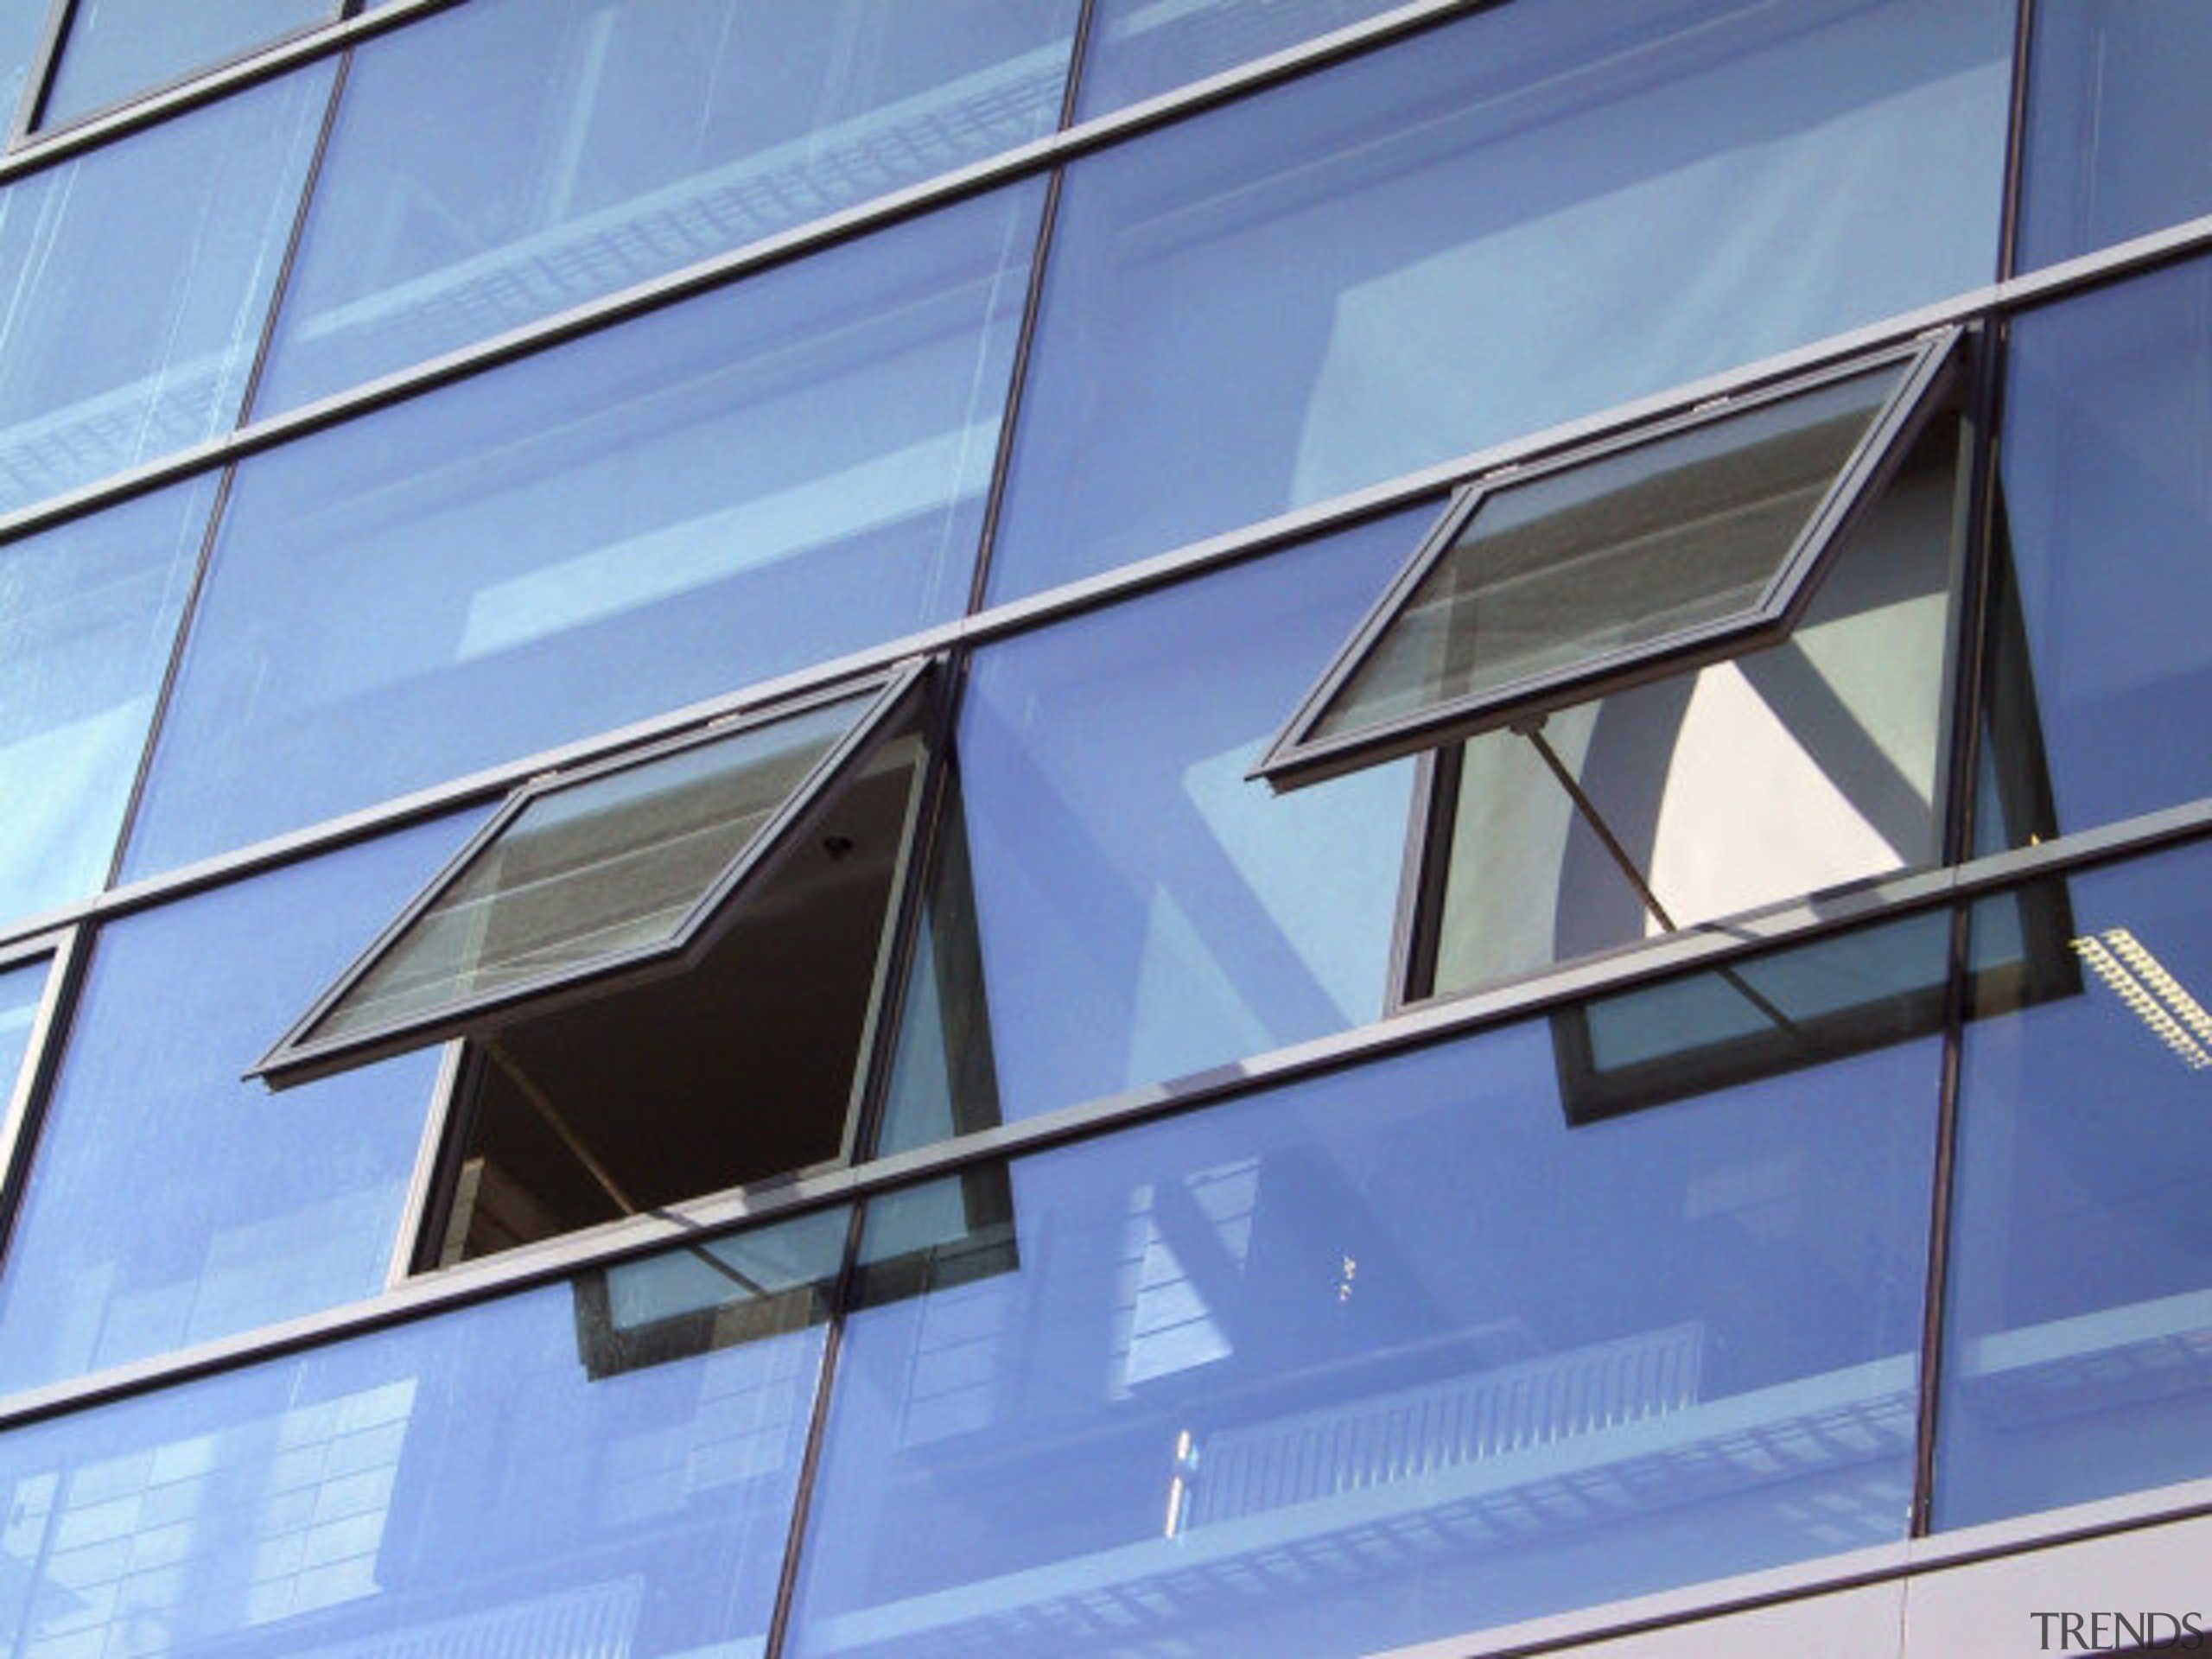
x: 772, y: 475
x: 221, y: 1206
x: 568, y: 1472
x: 1395, y: 1354
x: 1529, y: 215
x: 88, y: 616
x: 1144, y: 909
x: 2080, y: 1343
x: 136, y: 276
x: 512, y: 158
x: 116, y: 48
x: 2120, y: 130
x: 20, y: 991
x: 2106, y: 458
x: 1139, y: 48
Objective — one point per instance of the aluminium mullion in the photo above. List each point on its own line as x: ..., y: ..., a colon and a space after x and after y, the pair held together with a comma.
x: 878, y: 1043
x: 426, y: 1177
x: 38, y: 78
x: 1079, y: 39
x: 1432, y: 819
x: 1033, y: 306
x: 172, y: 668
x: 2014, y: 190
x: 298, y: 1057
x: 816, y: 1437
x: 280, y: 290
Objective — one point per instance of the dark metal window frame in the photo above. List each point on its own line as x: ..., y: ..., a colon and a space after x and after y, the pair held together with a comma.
x: 1297, y: 757
x: 299, y: 1058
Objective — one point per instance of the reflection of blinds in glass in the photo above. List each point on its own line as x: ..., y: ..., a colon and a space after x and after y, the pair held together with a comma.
x: 1175, y: 1229
x: 1403, y: 1436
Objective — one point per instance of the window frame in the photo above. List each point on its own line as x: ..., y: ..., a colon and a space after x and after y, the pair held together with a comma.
x: 297, y: 1057
x: 1295, y: 757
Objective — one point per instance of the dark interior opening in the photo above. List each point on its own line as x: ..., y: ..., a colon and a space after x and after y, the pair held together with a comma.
x: 736, y: 1070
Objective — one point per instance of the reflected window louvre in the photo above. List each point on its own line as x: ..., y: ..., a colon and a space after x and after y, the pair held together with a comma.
x: 1139, y: 48
x: 512, y: 159
x: 225, y: 1208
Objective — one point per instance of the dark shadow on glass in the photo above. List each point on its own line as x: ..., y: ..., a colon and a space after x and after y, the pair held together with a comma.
x: 1807, y: 1006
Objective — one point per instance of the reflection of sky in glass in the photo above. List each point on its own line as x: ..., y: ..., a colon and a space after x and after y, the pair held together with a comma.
x: 115, y: 357
x: 467, y: 1485
x: 224, y: 1207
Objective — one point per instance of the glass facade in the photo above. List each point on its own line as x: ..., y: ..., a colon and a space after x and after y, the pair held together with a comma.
x: 903, y: 1139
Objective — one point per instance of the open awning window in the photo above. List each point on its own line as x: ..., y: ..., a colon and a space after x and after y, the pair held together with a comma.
x: 587, y: 880
x: 1696, y: 538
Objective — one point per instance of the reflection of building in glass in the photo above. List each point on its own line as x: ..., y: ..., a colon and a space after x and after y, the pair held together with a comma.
x: 657, y: 995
